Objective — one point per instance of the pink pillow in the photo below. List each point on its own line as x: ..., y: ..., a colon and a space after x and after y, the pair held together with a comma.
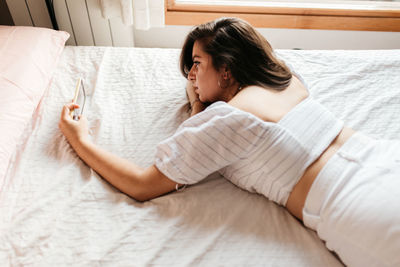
x: 28, y: 58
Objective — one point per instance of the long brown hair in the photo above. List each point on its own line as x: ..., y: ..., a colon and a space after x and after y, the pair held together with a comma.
x: 234, y: 43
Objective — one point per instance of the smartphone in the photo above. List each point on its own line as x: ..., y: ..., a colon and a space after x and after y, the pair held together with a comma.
x: 79, y: 99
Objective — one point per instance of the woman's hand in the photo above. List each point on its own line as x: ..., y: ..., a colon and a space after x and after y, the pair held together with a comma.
x: 75, y: 131
x: 196, y: 105
x: 192, y: 95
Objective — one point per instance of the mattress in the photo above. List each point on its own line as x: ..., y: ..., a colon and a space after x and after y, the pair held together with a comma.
x: 56, y: 211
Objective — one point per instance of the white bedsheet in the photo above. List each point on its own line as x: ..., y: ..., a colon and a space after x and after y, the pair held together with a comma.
x: 55, y: 211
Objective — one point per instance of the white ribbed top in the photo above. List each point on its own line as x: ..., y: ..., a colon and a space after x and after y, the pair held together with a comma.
x: 258, y: 156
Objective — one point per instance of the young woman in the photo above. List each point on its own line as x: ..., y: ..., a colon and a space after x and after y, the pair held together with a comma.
x: 254, y: 121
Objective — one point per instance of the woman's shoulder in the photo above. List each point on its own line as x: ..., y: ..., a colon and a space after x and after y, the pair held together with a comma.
x: 220, y: 115
x: 214, y: 114
x: 269, y: 104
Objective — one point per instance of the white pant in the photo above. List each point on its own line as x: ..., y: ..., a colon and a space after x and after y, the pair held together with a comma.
x: 354, y: 203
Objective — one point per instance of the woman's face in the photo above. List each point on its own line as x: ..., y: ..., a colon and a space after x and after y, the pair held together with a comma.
x: 204, y: 76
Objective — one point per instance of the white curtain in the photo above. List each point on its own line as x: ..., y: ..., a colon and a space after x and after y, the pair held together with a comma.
x: 143, y: 14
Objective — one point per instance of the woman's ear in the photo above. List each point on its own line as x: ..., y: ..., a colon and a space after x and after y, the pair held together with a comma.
x: 226, y: 73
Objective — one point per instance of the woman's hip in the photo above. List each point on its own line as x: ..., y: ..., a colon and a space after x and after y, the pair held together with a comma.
x: 354, y: 204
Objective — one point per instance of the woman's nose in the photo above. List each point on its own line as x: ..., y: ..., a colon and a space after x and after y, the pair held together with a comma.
x: 192, y: 75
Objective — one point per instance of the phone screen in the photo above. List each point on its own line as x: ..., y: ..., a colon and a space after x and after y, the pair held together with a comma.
x: 80, y: 100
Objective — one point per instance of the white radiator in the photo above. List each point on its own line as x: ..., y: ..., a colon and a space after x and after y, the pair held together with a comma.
x: 81, y: 18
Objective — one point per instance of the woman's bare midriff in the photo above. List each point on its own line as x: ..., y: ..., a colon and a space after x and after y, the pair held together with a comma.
x: 298, y: 196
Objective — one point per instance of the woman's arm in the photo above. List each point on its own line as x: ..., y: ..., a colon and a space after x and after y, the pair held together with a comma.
x: 139, y: 183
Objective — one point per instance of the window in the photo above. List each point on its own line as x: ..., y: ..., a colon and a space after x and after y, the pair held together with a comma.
x: 301, y: 14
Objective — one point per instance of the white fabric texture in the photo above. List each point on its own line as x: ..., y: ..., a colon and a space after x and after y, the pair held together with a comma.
x: 354, y: 202
x: 144, y: 14
x: 55, y: 211
x: 260, y: 157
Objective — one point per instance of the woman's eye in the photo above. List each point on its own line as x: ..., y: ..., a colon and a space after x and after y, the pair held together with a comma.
x: 196, y: 63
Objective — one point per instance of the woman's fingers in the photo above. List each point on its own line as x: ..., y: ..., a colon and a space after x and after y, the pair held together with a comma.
x: 72, y: 106
x: 65, y: 112
x: 67, y: 109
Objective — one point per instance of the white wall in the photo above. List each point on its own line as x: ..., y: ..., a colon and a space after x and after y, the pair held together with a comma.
x: 82, y: 19
x: 173, y: 36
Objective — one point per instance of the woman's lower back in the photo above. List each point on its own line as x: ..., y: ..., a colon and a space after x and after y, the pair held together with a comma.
x: 298, y: 196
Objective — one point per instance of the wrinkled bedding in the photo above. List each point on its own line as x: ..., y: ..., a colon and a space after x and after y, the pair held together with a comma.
x: 56, y: 211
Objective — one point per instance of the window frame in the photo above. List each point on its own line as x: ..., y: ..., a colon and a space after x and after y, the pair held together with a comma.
x: 358, y: 19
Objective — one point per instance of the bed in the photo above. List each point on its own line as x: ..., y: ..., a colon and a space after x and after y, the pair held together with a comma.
x: 56, y: 211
